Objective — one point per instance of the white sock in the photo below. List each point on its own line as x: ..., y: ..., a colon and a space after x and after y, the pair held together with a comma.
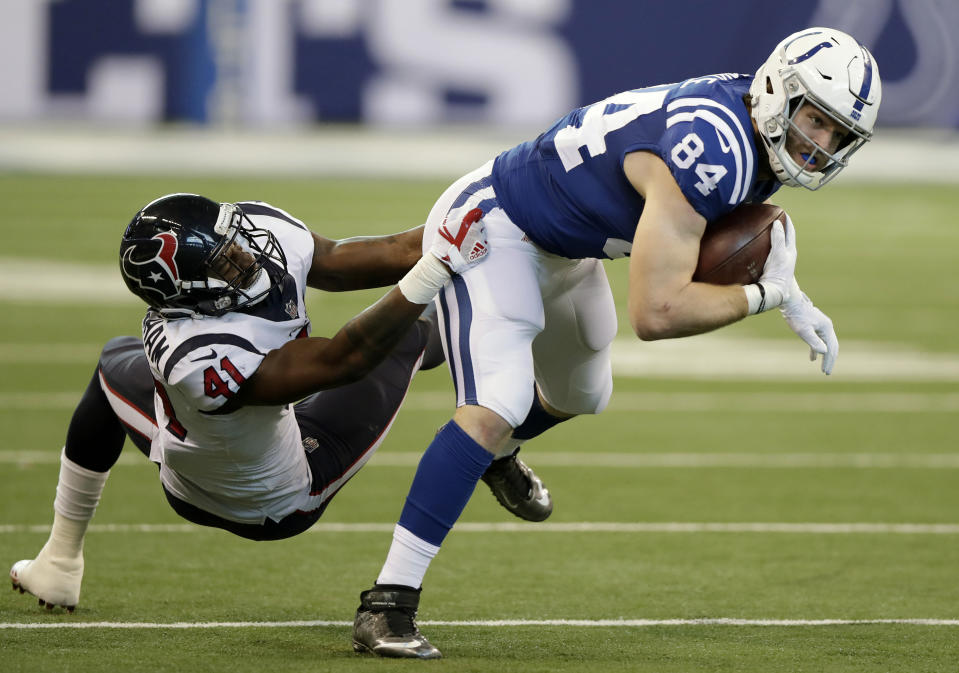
x: 408, y: 559
x: 78, y: 490
x: 66, y: 538
x: 78, y: 494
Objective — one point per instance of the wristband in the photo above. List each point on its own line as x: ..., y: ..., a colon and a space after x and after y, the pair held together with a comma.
x: 424, y: 280
x: 755, y: 297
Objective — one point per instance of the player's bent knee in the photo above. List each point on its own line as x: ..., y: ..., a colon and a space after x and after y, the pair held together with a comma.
x: 485, y: 426
x: 568, y: 399
x: 601, y: 401
x: 553, y: 410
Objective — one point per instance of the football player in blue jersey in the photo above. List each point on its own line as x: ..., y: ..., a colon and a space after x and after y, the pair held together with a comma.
x: 640, y: 174
x: 252, y: 423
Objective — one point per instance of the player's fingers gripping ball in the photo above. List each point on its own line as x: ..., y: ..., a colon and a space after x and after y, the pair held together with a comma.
x: 460, y: 241
x: 780, y: 264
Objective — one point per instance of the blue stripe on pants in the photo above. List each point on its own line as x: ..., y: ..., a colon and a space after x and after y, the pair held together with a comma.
x: 465, y: 310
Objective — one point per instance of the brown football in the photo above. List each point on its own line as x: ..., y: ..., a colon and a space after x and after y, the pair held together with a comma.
x: 734, y: 248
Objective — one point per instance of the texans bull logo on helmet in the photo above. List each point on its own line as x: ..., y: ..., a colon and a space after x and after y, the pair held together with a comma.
x: 155, y: 270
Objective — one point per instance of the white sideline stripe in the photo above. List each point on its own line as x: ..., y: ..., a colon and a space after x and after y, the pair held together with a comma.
x: 570, y: 527
x: 604, y: 623
x: 728, y: 402
x: 718, y: 356
x: 620, y: 460
x: 55, y: 282
x: 893, y: 156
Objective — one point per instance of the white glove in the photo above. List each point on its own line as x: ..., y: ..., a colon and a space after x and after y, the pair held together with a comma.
x: 457, y: 244
x: 812, y: 326
x: 460, y: 241
x: 772, y: 288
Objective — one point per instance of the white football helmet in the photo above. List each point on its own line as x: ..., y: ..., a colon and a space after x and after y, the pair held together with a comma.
x: 829, y: 69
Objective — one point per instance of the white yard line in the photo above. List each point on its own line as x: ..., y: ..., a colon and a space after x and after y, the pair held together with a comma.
x: 717, y: 356
x: 39, y: 281
x: 494, y: 623
x: 645, y: 460
x: 658, y: 402
x: 569, y: 527
x: 580, y: 460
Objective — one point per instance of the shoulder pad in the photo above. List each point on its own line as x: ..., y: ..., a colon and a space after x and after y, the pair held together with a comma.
x: 263, y: 208
x: 709, y: 148
x: 209, y: 370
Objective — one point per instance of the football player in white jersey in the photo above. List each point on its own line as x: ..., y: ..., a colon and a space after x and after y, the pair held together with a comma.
x: 640, y: 174
x: 253, y: 424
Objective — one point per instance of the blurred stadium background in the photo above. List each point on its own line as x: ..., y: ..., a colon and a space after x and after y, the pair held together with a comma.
x: 728, y: 479
x: 425, y: 87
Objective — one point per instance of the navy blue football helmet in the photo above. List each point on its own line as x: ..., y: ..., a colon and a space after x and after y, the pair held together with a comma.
x: 177, y: 255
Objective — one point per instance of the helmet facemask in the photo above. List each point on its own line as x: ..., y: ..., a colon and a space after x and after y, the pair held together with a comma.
x: 808, y: 174
x: 232, y: 282
x: 224, y: 280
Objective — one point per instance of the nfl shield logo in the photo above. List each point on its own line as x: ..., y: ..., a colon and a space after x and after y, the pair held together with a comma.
x: 291, y: 309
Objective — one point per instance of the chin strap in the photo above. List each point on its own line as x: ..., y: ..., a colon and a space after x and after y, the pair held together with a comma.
x: 254, y: 294
x: 258, y: 289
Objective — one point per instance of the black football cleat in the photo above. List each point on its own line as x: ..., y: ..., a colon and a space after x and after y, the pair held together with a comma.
x: 385, y: 624
x: 518, y: 489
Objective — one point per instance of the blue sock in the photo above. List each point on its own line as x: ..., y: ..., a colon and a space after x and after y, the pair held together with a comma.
x: 538, y: 421
x: 444, y: 482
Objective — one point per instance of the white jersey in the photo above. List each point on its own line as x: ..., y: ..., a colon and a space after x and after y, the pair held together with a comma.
x: 248, y: 464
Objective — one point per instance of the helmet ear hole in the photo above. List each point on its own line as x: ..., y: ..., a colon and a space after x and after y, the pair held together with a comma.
x: 769, y: 85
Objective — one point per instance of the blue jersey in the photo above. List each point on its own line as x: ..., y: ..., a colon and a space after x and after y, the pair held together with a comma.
x: 567, y: 190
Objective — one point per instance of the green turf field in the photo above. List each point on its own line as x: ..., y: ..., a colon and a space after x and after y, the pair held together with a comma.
x: 781, y: 502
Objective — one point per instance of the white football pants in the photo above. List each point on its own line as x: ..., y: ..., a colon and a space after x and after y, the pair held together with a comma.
x: 524, y: 315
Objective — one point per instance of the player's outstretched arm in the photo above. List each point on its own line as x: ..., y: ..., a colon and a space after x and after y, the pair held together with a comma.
x: 664, y: 302
x: 304, y: 366
x: 363, y: 261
